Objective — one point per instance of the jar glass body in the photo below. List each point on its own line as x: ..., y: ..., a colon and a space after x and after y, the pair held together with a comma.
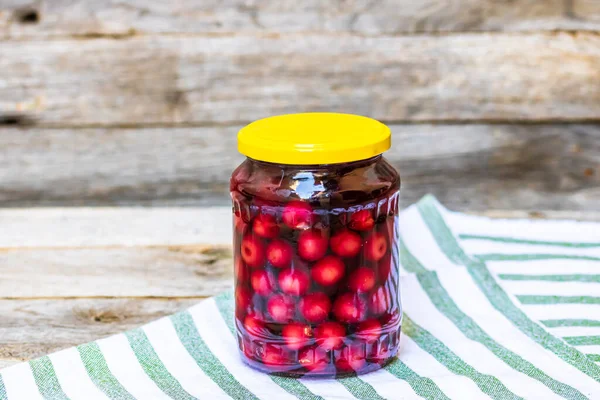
x: 316, y: 266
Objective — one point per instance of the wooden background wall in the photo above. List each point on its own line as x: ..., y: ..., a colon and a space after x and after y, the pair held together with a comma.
x: 493, y: 103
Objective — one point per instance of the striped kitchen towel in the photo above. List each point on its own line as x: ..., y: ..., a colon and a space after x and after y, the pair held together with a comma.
x: 501, y: 309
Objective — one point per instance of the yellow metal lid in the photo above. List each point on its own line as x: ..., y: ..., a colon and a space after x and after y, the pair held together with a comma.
x: 314, y: 138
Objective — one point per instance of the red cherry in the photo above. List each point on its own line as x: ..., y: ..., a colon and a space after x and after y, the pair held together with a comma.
x: 346, y: 243
x: 265, y: 225
x: 294, y: 281
x: 330, y: 335
x: 361, y: 220
x: 369, y: 330
x: 279, y: 253
x: 261, y: 282
x: 297, y: 215
x: 349, y: 307
x: 253, y: 251
x: 380, y: 301
x: 328, y: 271
x: 362, y: 280
x: 281, y: 308
x: 296, y: 335
x: 313, y: 358
x: 243, y: 298
x: 253, y: 325
x: 384, y: 267
x: 315, y: 307
x: 275, y: 356
x: 375, y: 246
x: 312, y: 244
x: 351, y: 358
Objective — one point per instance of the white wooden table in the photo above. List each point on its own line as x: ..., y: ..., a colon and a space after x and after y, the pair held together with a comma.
x: 72, y: 275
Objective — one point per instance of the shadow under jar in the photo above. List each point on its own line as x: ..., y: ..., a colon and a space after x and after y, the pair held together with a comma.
x: 316, y: 245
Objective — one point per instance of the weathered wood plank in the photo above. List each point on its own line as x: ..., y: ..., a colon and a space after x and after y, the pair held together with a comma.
x: 87, y: 227
x: 33, y: 328
x: 469, y: 167
x: 586, y: 10
x: 186, y: 165
x: 223, y: 80
x: 172, y: 271
x: 35, y: 18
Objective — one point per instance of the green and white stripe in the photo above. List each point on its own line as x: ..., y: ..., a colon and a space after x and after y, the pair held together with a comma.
x: 2, y: 389
x: 437, y: 294
x: 487, y: 315
x: 497, y: 296
x: 19, y: 383
x: 154, y: 367
x: 99, y: 373
x: 74, y: 377
x: 205, y: 359
x: 488, y: 384
x: 46, y: 380
x: 126, y: 368
x: 556, y: 280
x: 180, y: 363
x: 424, y: 387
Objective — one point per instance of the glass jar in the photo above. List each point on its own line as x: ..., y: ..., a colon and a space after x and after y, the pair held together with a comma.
x: 315, y: 245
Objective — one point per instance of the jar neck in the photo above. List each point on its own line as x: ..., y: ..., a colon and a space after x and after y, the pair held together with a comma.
x: 318, y: 167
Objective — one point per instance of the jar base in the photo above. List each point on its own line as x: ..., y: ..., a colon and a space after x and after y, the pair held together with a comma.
x: 343, y: 366
x: 329, y: 373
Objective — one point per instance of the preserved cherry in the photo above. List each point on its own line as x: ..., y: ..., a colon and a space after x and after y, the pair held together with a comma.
x: 316, y: 271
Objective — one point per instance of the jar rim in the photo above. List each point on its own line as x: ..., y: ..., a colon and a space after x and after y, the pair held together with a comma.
x: 314, y: 138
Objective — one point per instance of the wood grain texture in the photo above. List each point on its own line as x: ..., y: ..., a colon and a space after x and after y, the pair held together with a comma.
x: 586, y: 10
x: 170, y: 271
x: 109, y: 227
x: 468, y: 167
x: 367, y: 17
x: 229, y: 79
x: 33, y: 328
